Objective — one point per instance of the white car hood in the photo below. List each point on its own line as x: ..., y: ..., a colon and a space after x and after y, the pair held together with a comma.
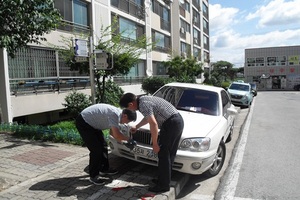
x: 239, y: 92
x: 195, y: 124
x: 198, y: 124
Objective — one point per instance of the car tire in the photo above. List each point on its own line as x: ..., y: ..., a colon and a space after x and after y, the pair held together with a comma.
x: 218, y: 161
x: 229, y: 138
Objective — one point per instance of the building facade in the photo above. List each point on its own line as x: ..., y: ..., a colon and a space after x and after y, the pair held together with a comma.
x: 36, y: 81
x: 273, y: 68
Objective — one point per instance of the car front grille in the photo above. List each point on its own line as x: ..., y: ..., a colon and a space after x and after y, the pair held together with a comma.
x: 236, y: 96
x: 142, y: 137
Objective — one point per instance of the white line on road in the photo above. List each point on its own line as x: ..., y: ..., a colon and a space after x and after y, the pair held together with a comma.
x: 233, y: 176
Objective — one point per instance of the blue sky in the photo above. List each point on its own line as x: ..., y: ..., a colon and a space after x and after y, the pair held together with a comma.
x: 236, y: 25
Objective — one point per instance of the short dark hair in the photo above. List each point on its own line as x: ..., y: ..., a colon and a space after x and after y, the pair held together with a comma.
x: 126, y: 99
x: 131, y: 114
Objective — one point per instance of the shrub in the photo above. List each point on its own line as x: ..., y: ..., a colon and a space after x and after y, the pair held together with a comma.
x: 112, y: 93
x: 76, y: 102
x: 150, y: 85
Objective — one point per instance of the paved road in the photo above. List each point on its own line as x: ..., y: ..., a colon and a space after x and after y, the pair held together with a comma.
x: 266, y: 165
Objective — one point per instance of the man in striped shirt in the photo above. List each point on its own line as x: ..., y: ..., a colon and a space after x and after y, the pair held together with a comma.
x: 160, y: 114
x: 90, y: 123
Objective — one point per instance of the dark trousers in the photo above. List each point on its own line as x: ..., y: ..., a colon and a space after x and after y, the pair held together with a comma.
x: 95, y: 142
x: 169, y: 137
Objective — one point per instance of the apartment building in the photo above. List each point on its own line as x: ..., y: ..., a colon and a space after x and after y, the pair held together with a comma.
x: 273, y: 68
x: 35, y: 83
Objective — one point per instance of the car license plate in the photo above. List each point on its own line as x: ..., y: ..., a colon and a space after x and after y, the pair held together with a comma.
x: 148, y: 153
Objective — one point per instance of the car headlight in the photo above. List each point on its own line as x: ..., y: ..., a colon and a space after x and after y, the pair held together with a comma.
x: 195, y: 144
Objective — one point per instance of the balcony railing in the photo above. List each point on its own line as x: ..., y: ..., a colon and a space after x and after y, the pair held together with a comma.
x: 130, y: 8
x: 73, y: 27
x: 47, y: 84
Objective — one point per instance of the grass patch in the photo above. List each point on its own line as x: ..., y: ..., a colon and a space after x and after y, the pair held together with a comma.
x: 62, y: 132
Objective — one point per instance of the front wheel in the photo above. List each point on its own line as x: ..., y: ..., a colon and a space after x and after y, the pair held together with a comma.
x: 218, y: 161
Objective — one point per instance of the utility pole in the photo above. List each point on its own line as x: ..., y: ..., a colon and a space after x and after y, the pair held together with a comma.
x: 91, y: 66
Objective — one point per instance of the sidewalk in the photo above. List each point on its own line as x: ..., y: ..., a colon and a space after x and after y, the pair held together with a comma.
x: 42, y: 170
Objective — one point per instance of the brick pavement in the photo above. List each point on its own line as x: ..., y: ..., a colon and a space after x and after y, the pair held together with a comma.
x: 49, y: 171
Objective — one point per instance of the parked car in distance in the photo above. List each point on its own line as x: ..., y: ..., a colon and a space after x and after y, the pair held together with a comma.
x: 254, y: 89
x: 241, y: 94
x: 297, y: 87
x: 208, y: 124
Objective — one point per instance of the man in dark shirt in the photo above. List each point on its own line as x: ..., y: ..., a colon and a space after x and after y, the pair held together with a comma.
x: 160, y: 114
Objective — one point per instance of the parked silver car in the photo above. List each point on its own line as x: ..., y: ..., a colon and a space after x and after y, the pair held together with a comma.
x: 241, y: 94
x: 208, y: 123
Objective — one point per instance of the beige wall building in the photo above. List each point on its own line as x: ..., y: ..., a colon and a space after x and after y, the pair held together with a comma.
x: 273, y: 67
x: 35, y: 83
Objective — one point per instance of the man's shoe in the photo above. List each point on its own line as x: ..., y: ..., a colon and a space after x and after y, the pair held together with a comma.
x: 158, y: 189
x: 97, y: 181
x: 108, y: 172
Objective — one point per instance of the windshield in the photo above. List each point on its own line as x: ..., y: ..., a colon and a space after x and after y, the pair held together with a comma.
x: 241, y: 87
x: 193, y: 100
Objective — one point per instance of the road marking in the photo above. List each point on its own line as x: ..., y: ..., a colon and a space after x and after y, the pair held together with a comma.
x: 233, y: 176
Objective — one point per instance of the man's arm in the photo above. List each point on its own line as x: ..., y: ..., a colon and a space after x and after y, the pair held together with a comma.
x: 115, y: 132
x: 140, y: 124
x: 154, y: 132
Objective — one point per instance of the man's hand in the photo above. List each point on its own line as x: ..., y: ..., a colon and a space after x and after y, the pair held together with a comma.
x: 130, y: 144
x: 156, y: 148
x: 133, y: 129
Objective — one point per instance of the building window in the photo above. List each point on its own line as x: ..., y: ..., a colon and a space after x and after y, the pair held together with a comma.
x: 294, y: 60
x: 164, y: 14
x: 134, y: 8
x: 185, y: 5
x: 250, y: 62
x: 197, y: 53
x: 205, y: 26
x: 138, y: 70
x: 282, y: 60
x: 260, y: 61
x: 206, y: 56
x: 205, y: 42
x: 75, y: 15
x: 185, y: 25
x: 196, y: 3
x: 271, y: 61
x: 161, y: 42
x: 185, y: 49
x: 196, y: 35
x: 205, y: 10
x: 129, y: 30
x: 159, y: 68
x: 196, y: 18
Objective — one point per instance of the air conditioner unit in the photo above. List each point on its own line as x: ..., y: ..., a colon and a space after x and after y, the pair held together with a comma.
x: 183, y: 54
x: 182, y: 30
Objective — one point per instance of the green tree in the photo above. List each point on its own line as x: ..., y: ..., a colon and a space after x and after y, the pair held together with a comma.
x: 223, y: 71
x: 183, y: 70
x: 25, y: 21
